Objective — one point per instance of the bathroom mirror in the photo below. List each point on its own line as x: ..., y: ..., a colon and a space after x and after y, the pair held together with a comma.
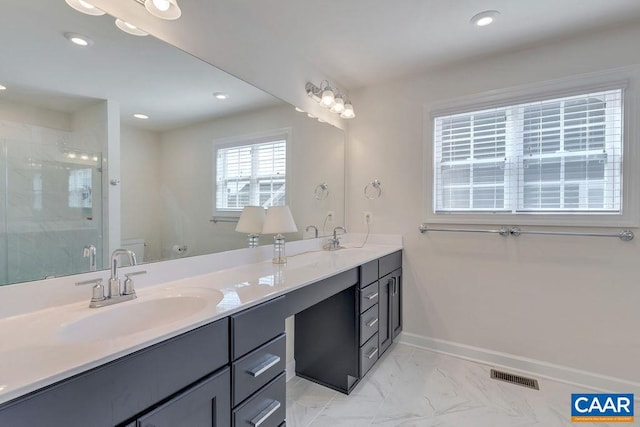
x: 78, y: 170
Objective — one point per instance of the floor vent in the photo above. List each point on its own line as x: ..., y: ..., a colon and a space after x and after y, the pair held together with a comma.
x: 515, y: 379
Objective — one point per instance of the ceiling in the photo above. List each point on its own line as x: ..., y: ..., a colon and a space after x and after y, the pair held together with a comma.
x: 364, y: 42
x: 142, y: 74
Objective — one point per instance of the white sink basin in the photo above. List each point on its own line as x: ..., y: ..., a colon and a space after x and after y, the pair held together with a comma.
x: 147, y: 312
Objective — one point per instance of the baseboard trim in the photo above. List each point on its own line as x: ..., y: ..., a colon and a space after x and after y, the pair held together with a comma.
x: 290, y: 369
x: 525, y: 365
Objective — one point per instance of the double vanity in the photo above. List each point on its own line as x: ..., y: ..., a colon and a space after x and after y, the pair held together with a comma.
x: 206, y: 350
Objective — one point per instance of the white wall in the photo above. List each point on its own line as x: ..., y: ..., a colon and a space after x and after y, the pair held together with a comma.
x: 141, y: 207
x: 560, y: 300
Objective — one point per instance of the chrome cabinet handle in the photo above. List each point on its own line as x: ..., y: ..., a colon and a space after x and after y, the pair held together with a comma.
x: 373, y: 353
x: 265, y: 414
x: 265, y: 366
x: 371, y: 296
x: 395, y: 287
x: 373, y: 322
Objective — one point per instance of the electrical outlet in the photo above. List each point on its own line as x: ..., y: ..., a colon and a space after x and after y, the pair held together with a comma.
x: 330, y: 216
x: 368, y: 218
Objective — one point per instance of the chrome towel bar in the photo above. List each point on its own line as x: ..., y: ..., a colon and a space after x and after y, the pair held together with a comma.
x: 624, y: 235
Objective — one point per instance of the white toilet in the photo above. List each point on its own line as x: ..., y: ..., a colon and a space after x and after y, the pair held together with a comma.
x: 135, y: 245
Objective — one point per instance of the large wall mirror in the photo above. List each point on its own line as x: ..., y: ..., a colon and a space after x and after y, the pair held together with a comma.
x: 78, y: 170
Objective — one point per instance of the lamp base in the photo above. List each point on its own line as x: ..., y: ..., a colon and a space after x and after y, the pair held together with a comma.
x: 279, y: 256
x: 253, y: 240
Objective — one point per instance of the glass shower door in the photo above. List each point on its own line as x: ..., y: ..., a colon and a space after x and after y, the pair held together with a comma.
x: 51, y: 209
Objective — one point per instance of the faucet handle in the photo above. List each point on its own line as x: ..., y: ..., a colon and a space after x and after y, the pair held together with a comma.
x: 128, y: 283
x: 98, y: 289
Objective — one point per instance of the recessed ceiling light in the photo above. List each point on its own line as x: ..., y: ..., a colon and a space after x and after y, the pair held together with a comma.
x: 78, y: 39
x: 71, y: 155
x: 85, y: 7
x: 299, y: 110
x: 130, y: 28
x: 485, y: 18
x: 311, y: 116
x: 141, y: 116
x: 3, y: 87
x: 221, y: 95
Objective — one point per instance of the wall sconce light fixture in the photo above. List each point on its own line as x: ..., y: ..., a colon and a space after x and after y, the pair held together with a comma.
x: 331, y: 98
x: 163, y: 9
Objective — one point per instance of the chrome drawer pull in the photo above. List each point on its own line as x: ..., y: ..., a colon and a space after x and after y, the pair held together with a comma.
x: 371, y: 296
x: 265, y: 366
x: 265, y: 414
x: 373, y: 322
x: 373, y: 353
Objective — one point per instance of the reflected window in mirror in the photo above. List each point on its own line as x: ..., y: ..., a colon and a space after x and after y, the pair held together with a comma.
x: 251, y: 171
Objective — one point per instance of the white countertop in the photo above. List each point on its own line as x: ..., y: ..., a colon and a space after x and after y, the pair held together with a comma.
x: 39, y: 348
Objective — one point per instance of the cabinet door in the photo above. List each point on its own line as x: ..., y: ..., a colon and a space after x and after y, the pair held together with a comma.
x: 396, y: 303
x: 384, y: 313
x: 207, y: 403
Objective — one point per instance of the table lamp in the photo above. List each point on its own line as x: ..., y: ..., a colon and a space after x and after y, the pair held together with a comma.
x: 279, y: 220
x: 251, y: 222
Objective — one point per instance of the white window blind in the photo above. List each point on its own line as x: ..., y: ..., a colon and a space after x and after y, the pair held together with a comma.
x: 251, y: 174
x: 560, y: 155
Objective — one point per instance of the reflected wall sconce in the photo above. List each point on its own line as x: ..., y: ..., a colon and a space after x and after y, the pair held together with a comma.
x: 279, y: 220
x: 163, y: 9
x: 251, y: 222
x: 331, y: 98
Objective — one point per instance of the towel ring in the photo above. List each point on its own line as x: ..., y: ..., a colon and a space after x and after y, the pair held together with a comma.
x: 322, y: 191
x: 373, y: 190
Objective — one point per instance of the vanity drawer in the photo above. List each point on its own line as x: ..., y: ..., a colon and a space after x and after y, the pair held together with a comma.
x: 368, y: 324
x: 258, y: 368
x: 368, y: 273
x: 265, y: 409
x: 255, y: 326
x: 368, y: 297
x: 368, y: 355
x: 389, y: 263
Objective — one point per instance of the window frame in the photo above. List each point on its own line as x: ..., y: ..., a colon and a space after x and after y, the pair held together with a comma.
x: 250, y: 139
x: 625, y: 78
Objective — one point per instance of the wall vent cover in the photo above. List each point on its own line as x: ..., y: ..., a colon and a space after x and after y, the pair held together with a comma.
x: 514, y: 379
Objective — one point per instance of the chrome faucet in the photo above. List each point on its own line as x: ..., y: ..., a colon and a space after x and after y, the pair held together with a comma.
x: 334, y: 243
x: 315, y: 229
x: 114, y: 283
x: 113, y: 293
x: 89, y: 251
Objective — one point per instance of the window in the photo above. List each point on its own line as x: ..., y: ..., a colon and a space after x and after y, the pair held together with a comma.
x: 559, y: 156
x: 251, y: 172
x: 80, y: 188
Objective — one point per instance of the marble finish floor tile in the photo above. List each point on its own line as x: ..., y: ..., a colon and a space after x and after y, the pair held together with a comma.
x: 415, y: 387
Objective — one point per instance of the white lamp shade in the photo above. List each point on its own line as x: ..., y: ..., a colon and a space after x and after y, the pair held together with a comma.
x: 338, y: 107
x: 348, y: 112
x: 85, y: 7
x: 129, y: 28
x: 251, y: 220
x: 279, y: 220
x: 164, y: 9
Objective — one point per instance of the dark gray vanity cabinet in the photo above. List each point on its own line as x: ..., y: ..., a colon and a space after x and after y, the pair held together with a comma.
x: 345, y: 322
x: 206, y: 403
x: 390, y: 303
x: 172, y: 377
x: 258, y: 352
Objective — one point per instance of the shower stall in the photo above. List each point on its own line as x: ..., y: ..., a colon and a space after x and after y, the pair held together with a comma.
x: 51, y: 203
